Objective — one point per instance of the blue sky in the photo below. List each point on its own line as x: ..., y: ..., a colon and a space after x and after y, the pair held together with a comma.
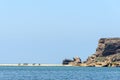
x: 48, y: 31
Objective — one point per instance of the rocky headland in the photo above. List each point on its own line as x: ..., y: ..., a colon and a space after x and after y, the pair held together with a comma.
x: 107, y: 55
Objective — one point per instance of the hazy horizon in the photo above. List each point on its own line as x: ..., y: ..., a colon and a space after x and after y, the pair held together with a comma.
x: 36, y: 31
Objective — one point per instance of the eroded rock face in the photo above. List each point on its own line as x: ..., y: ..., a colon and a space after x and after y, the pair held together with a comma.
x: 108, y: 51
x: 108, y: 46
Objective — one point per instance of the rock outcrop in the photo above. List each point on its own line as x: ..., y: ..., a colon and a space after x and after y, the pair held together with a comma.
x: 107, y: 53
x: 75, y: 62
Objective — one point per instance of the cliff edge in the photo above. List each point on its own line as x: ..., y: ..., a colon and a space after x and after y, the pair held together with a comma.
x: 107, y: 53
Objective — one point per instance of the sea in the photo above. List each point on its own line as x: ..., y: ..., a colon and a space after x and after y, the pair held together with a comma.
x: 59, y: 73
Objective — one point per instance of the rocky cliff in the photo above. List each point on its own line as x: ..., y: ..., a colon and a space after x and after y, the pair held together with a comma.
x: 107, y: 53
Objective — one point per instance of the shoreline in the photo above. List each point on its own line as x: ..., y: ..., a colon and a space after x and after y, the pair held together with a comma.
x: 26, y: 64
x: 50, y: 65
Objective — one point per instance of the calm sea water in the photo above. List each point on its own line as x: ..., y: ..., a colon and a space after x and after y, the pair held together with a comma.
x: 59, y: 73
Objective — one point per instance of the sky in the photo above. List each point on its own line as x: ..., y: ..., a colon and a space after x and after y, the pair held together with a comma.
x: 48, y: 31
